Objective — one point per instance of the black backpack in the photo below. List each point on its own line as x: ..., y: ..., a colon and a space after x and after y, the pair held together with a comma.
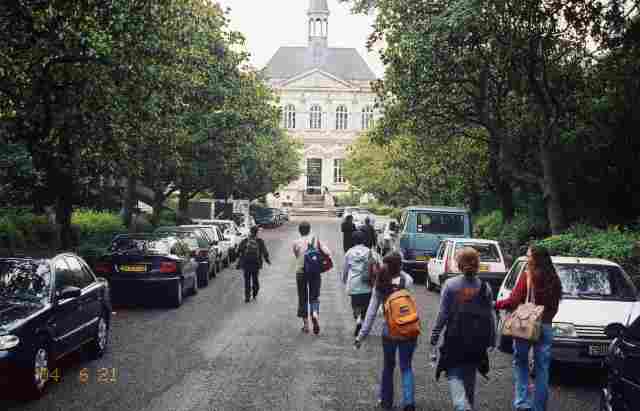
x: 252, y: 251
x: 470, y: 327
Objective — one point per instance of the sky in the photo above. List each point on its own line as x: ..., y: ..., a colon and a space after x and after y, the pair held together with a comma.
x: 270, y: 24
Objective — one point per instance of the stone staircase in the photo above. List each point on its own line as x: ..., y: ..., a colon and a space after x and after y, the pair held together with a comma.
x: 313, y: 212
x: 313, y: 200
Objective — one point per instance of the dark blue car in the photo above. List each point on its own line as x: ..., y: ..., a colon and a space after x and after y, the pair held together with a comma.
x: 160, y: 267
x: 48, y: 309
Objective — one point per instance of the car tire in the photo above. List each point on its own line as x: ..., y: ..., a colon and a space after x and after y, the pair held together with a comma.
x: 196, y: 286
x: 214, y: 270
x: 177, y: 296
x: 35, y: 381
x: 98, y: 346
x: 429, y: 284
x: 203, y: 281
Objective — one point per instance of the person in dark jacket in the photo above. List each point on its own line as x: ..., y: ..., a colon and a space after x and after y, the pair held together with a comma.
x: 348, y: 228
x: 370, y: 230
x: 252, y: 253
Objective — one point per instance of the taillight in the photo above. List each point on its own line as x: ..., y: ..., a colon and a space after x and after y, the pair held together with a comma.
x: 103, y: 268
x: 168, y: 267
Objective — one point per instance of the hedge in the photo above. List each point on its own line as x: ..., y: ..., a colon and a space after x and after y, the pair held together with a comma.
x: 20, y: 228
x: 513, y: 237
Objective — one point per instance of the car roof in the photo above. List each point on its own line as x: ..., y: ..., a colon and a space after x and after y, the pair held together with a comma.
x: 472, y: 240
x: 577, y: 260
x: 438, y: 209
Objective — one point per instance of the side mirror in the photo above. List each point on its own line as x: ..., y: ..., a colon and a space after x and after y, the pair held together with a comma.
x: 69, y: 292
x: 614, y: 330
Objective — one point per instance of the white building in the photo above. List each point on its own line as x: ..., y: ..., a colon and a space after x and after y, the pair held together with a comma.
x: 327, y: 102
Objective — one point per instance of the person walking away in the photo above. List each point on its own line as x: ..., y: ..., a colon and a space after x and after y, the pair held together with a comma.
x: 348, y: 228
x: 390, y: 283
x: 357, y: 277
x: 544, y: 285
x: 467, y: 316
x: 370, y: 230
x: 308, y: 283
x: 252, y: 253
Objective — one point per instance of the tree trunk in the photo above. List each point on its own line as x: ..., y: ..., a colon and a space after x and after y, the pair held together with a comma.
x: 551, y: 189
x: 501, y: 187
x: 64, y: 209
x: 158, y: 204
x: 130, y: 202
x: 183, y: 208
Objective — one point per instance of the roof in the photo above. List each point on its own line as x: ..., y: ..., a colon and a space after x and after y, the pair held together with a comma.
x: 438, y: 209
x: 576, y: 260
x: 344, y: 63
x: 318, y: 6
x: 472, y: 240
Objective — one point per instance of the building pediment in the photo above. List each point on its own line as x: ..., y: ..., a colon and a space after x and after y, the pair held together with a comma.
x: 316, y: 79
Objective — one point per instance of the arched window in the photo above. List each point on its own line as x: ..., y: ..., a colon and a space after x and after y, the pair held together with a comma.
x: 367, y: 117
x: 315, y: 116
x: 342, y: 118
x: 289, y: 116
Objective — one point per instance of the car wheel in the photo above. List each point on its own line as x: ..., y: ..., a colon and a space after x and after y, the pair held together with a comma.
x: 177, y: 295
x: 203, y: 280
x: 194, y: 289
x: 429, y: 284
x: 98, y: 346
x: 214, y: 269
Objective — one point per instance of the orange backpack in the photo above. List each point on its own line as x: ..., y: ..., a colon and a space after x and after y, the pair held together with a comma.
x: 401, y: 314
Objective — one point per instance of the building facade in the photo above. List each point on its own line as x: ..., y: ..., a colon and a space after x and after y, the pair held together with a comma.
x: 327, y: 102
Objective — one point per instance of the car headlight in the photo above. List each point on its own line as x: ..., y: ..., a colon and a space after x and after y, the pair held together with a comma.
x: 8, y: 342
x: 564, y: 330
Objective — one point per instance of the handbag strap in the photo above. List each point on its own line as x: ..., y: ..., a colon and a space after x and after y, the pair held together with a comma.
x: 531, y: 296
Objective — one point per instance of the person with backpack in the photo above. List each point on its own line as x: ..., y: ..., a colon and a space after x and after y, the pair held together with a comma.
x: 357, y: 277
x: 252, y: 252
x: 400, y: 331
x: 308, y: 252
x: 468, y: 318
x: 370, y: 230
x: 348, y: 228
x: 541, y: 285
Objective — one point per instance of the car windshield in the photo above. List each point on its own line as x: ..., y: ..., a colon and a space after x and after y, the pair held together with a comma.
x: 125, y: 245
x: 25, y: 280
x: 190, y: 238
x: 439, y: 223
x: 595, y: 281
x: 488, y: 252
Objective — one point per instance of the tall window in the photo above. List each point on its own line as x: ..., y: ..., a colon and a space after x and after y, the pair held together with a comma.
x: 289, y: 116
x: 342, y: 118
x: 338, y: 165
x: 367, y: 117
x: 315, y: 117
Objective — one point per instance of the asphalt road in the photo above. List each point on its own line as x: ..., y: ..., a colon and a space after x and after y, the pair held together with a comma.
x: 218, y: 353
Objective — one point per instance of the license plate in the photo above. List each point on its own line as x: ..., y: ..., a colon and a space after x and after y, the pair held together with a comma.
x: 133, y: 268
x: 598, y: 350
x: 484, y: 268
x: 423, y: 258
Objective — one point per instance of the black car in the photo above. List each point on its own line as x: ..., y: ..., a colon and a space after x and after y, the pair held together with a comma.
x: 201, y: 246
x: 622, y: 392
x: 160, y: 266
x: 48, y: 309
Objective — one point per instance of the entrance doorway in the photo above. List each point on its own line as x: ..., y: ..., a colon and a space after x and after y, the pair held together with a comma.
x: 314, y: 176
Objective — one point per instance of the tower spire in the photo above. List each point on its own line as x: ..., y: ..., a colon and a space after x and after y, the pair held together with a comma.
x: 318, y: 20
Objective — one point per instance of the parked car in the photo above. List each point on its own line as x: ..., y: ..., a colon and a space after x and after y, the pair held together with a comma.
x: 202, y: 249
x: 622, y: 390
x: 231, y: 234
x: 596, y: 293
x: 387, y: 236
x: 159, y: 264
x: 443, y: 266
x: 49, y: 308
x: 422, y: 229
x: 266, y: 217
x: 222, y: 246
x: 214, y: 254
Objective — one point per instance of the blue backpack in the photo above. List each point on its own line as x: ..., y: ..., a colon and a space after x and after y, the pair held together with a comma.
x: 312, y: 259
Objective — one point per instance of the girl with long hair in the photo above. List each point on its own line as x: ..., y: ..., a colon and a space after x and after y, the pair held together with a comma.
x: 546, y: 289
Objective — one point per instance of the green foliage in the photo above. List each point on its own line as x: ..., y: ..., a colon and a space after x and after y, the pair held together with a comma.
x: 515, y: 236
x: 348, y: 199
x: 381, y: 209
x: 20, y: 228
x: 97, y: 226
x: 168, y: 217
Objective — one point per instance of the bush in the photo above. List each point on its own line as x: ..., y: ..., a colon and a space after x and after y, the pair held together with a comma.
x: 20, y: 228
x: 515, y: 236
x: 347, y: 200
x: 168, y: 217
x: 97, y: 227
x: 612, y: 244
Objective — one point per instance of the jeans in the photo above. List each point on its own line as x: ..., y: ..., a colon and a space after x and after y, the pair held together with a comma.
x: 542, y: 357
x: 405, y: 350
x: 308, y: 293
x: 462, y: 386
x: 251, y: 283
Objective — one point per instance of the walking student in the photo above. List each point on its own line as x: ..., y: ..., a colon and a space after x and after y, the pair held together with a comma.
x: 544, y: 285
x: 370, y: 230
x: 390, y: 290
x: 308, y: 283
x: 357, y: 277
x: 252, y: 253
x: 348, y: 228
x: 467, y: 316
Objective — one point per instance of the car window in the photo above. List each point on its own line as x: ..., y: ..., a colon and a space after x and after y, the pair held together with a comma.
x: 513, y: 275
x: 133, y: 245
x: 634, y: 330
x: 64, y: 276
x: 80, y: 278
x: 181, y: 249
x: 439, y: 223
x: 440, y: 254
x: 488, y: 252
x: 595, y: 281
